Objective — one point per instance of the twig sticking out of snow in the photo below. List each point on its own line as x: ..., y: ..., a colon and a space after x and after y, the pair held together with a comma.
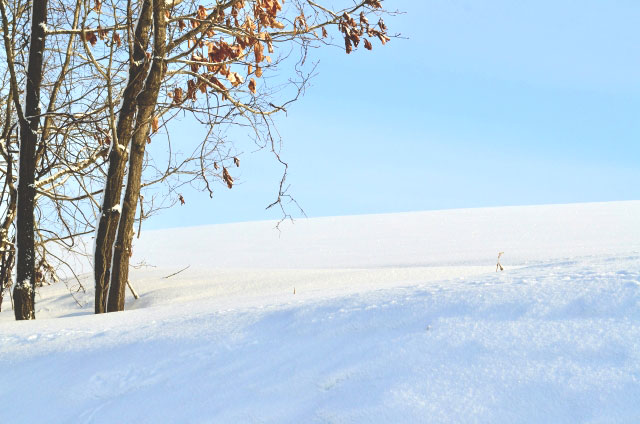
x: 178, y: 272
x: 133, y: 292
x: 498, y: 265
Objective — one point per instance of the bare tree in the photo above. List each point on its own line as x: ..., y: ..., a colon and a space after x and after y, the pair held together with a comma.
x: 68, y: 150
x: 108, y: 223
x: 29, y: 121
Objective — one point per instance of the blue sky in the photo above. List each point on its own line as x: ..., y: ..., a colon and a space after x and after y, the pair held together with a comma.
x: 484, y: 104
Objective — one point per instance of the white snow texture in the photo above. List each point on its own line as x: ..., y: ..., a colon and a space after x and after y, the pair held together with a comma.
x: 396, y: 318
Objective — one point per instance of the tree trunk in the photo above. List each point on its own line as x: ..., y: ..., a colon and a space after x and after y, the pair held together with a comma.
x: 147, y: 101
x: 106, y: 232
x: 24, y: 291
x: 7, y: 243
x: 6, y: 265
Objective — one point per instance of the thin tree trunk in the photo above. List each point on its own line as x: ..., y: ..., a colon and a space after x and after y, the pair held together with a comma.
x: 24, y: 291
x: 147, y: 101
x: 6, y: 266
x: 108, y: 225
x: 7, y: 245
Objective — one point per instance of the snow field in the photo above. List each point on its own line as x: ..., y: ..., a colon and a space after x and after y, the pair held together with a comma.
x: 553, y: 338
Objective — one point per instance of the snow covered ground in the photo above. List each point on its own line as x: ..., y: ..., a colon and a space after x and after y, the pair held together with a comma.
x: 395, y: 318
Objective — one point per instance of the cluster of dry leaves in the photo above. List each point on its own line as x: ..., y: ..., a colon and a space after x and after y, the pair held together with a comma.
x: 353, y: 31
x: 250, y: 35
x: 246, y: 28
x: 250, y: 26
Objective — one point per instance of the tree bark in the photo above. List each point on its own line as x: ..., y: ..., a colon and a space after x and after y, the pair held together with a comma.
x: 108, y: 225
x: 147, y: 101
x: 24, y: 291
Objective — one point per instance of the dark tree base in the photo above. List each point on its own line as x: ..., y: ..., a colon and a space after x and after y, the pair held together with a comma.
x: 24, y: 302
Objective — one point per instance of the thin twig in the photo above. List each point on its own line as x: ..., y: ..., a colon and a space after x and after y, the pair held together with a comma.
x: 141, y: 216
x: 133, y: 292
x: 175, y: 273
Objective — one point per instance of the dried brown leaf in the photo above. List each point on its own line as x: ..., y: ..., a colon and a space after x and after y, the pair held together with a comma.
x: 177, y: 95
x: 90, y: 36
x: 202, y: 12
x: 347, y: 45
x: 227, y: 177
x: 258, y: 49
x: 154, y: 124
x: 363, y: 19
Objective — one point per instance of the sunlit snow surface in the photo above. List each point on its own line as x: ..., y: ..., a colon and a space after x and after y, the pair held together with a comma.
x: 396, y: 318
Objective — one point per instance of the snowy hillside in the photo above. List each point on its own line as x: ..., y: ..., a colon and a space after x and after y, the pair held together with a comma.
x: 395, y: 318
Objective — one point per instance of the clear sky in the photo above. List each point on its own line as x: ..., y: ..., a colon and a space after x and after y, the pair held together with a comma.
x: 485, y: 104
